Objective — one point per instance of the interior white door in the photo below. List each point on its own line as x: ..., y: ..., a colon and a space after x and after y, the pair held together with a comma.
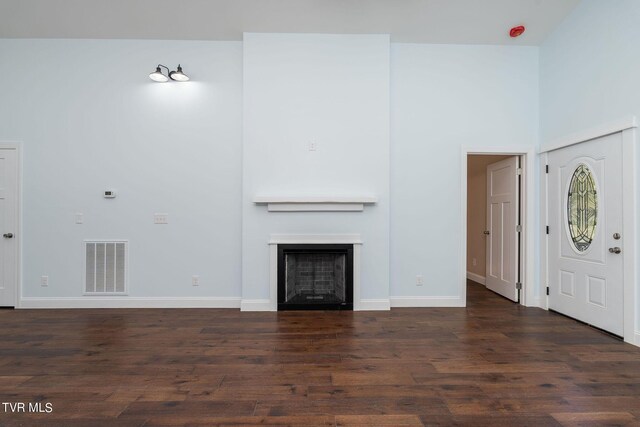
x: 585, y: 232
x: 8, y: 223
x: 502, y: 219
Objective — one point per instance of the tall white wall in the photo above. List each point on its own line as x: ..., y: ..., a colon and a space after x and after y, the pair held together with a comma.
x: 589, y: 68
x: 332, y: 90
x: 90, y: 119
x: 590, y: 75
x: 444, y: 97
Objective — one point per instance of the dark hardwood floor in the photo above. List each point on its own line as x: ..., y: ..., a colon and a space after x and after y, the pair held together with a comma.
x: 492, y: 364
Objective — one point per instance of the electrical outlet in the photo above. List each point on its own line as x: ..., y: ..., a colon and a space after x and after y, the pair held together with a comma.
x: 79, y: 218
x: 475, y: 262
x: 313, y: 146
x: 161, y: 218
x: 419, y: 280
x: 195, y: 280
x: 44, y: 281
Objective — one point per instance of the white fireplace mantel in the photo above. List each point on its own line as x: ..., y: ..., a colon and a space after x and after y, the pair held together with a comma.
x: 315, y: 203
x: 315, y: 239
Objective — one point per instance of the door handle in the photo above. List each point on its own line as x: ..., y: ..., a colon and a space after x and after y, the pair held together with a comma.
x: 486, y: 232
x: 615, y: 250
x: 8, y: 235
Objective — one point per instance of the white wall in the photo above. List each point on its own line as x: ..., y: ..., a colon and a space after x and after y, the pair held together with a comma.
x: 590, y: 75
x: 444, y: 97
x: 332, y: 90
x: 90, y: 119
x: 589, y: 68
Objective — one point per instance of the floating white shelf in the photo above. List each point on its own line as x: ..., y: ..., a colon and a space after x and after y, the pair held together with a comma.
x: 314, y: 204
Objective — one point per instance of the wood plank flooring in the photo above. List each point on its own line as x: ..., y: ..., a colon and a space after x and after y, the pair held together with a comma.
x: 492, y: 363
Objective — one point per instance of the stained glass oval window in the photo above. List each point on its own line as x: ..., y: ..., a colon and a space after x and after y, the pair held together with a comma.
x: 582, y: 208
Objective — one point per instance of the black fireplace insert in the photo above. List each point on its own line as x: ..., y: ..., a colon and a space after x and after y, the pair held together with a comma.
x: 315, y: 277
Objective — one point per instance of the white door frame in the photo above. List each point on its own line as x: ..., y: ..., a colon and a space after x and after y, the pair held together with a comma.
x: 14, y: 145
x: 527, y: 296
x: 627, y: 126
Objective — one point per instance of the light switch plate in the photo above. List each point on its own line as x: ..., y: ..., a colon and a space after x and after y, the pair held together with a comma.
x: 161, y: 218
x: 79, y: 218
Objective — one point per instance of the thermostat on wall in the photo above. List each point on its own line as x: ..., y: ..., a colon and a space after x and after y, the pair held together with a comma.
x: 109, y: 194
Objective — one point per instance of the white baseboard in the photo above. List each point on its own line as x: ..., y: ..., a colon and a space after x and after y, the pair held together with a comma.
x: 129, y: 302
x: 422, y: 301
x: 257, y: 305
x: 374, y: 305
x: 476, y: 278
x: 636, y: 341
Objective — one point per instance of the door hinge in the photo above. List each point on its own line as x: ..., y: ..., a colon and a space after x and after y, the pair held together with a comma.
x: 518, y: 286
x: 547, y: 229
x: 518, y: 229
x: 547, y: 290
x: 519, y: 171
x: 546, y: 168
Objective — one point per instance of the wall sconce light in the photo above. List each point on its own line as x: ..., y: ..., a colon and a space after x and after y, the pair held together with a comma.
x: 160, y: 77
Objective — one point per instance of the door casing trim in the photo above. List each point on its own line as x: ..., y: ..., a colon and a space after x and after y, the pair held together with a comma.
x: 615, y: 126
x: 17, y: 146
x: 629, y: 218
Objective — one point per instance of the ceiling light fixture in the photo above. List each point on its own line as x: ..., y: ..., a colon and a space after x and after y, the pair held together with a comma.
x: 160, y: 77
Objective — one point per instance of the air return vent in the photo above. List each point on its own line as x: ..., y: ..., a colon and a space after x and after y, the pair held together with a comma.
x: 105, y: 267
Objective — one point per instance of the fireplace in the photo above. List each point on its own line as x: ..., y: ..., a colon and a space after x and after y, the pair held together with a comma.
x: 315, y: 277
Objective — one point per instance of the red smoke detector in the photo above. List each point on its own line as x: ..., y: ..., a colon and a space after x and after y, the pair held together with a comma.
x: 517, y: 31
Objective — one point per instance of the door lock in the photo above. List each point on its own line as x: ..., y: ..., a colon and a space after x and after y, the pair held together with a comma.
x: 615, y: 250
x: 616, y: 236
x: 7, y: 235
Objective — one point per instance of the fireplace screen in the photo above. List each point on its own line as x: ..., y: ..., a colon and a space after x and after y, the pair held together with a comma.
x: 315, y: 276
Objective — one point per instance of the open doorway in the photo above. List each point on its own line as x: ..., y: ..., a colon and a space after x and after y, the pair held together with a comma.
x: 495, y: 224
x: 477, y: 229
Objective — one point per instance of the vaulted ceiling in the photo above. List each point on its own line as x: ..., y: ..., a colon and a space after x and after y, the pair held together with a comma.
x: 419, y: 21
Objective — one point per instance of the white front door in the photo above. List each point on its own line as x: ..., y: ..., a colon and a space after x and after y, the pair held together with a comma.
x: 585, y: 232
x: 502, y: 219
x: 8, y: 224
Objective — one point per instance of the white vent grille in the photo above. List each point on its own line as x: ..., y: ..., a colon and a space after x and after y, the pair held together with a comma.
x: 105, y: 267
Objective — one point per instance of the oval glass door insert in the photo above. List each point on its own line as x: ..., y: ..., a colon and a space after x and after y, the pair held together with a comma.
x: 582, y: 208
